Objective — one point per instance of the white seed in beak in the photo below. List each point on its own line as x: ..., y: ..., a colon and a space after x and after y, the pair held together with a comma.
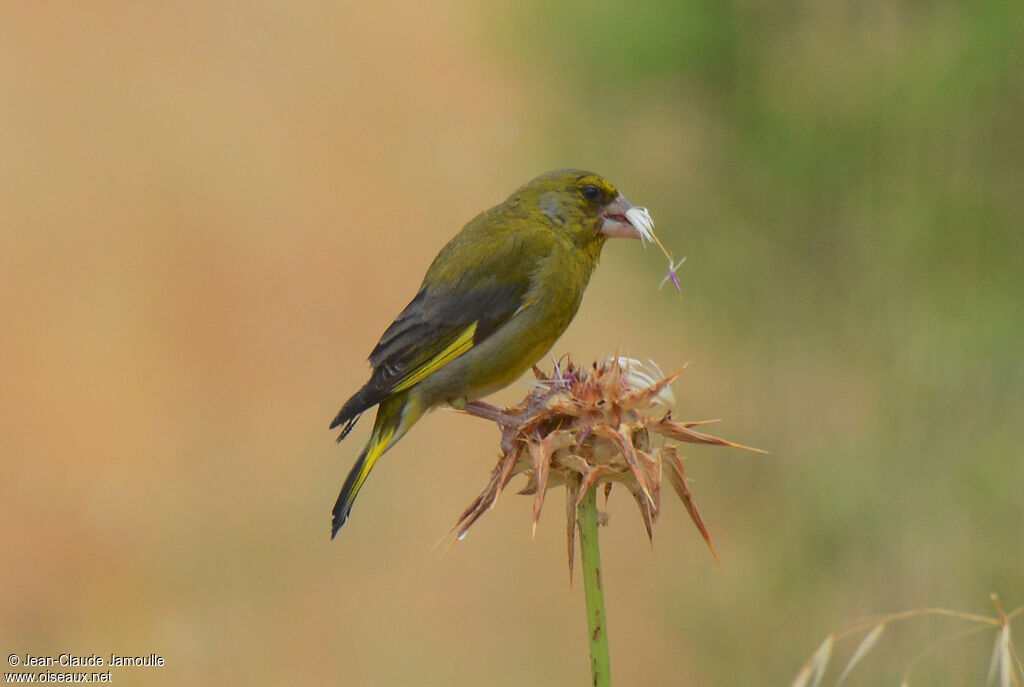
x: 642, y: 221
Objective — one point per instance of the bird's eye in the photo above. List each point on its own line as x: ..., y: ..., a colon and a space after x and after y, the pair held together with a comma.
x: 592, y: 193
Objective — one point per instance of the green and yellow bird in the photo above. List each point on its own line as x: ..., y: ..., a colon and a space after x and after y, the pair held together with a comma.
x: 495, y: 300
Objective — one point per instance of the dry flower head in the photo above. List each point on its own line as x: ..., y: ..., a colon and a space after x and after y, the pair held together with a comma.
x: 584, y: 427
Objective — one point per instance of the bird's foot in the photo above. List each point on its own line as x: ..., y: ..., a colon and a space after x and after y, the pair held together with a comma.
x: 490, y: 412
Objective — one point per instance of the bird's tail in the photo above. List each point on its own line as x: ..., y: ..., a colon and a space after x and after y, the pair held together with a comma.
x: 394, y: 417
x: 353, y: 409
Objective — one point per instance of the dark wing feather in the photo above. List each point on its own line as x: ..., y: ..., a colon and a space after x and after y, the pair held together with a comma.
x: 486, y: 293
x: 434, y: 319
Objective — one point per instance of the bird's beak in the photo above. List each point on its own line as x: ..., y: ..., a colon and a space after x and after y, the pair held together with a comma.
x: 617, y: 223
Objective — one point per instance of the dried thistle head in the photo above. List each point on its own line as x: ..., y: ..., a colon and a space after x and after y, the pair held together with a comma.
x: 584, y: 427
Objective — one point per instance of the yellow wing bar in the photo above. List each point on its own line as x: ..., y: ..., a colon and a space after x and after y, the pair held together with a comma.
x: 462, y: 343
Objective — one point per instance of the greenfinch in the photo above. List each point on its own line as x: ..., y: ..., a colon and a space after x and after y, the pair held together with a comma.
x: 495, y: 299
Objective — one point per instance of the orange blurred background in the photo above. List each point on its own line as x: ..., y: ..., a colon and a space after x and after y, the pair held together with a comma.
x: 210, y: 213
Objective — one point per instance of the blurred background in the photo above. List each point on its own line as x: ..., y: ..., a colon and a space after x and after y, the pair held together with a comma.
x: 211, y: 211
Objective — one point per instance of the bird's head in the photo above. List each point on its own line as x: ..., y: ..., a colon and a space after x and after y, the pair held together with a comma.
x: 584, y: 207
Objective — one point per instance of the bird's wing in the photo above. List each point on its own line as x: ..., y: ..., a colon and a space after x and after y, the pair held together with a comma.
x: 476, y: 284
x: 437, y: 327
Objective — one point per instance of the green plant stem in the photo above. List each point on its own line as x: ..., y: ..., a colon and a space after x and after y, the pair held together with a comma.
x: 590, y: 554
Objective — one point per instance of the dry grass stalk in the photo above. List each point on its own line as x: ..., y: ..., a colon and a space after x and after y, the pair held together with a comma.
x: 1005, y: 663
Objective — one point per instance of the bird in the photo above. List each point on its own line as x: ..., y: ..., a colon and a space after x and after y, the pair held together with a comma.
x: 492, y: 303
